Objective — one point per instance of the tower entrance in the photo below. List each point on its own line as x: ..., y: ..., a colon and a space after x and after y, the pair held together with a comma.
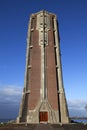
x: 43, y: 116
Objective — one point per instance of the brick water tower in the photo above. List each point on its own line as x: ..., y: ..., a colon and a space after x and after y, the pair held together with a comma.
x: 43, y: 98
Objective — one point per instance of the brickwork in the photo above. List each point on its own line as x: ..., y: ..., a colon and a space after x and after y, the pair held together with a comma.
x: 35, y: 71
x: 51, y: 72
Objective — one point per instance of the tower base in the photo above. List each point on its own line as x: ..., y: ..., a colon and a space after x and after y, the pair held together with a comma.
x: 43, y: 113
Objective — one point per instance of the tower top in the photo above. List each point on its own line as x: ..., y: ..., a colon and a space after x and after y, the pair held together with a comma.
x: 44, y: 12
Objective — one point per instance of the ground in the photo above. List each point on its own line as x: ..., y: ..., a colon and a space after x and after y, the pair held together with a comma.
x: 73, y: 126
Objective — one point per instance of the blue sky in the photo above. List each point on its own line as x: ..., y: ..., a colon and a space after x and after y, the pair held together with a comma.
x: 14, y: 18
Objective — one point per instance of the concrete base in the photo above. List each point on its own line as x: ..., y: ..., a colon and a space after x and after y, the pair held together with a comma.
x: 33, y: 115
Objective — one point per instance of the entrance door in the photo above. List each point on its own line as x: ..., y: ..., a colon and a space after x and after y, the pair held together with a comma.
x: 43, y: 116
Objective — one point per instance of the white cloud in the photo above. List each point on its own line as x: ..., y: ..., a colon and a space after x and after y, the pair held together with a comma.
x: 10, y: 93
x: 77, y: 104
x: 11, y: 90
x: 10, y: 97
x: 77, y: 108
